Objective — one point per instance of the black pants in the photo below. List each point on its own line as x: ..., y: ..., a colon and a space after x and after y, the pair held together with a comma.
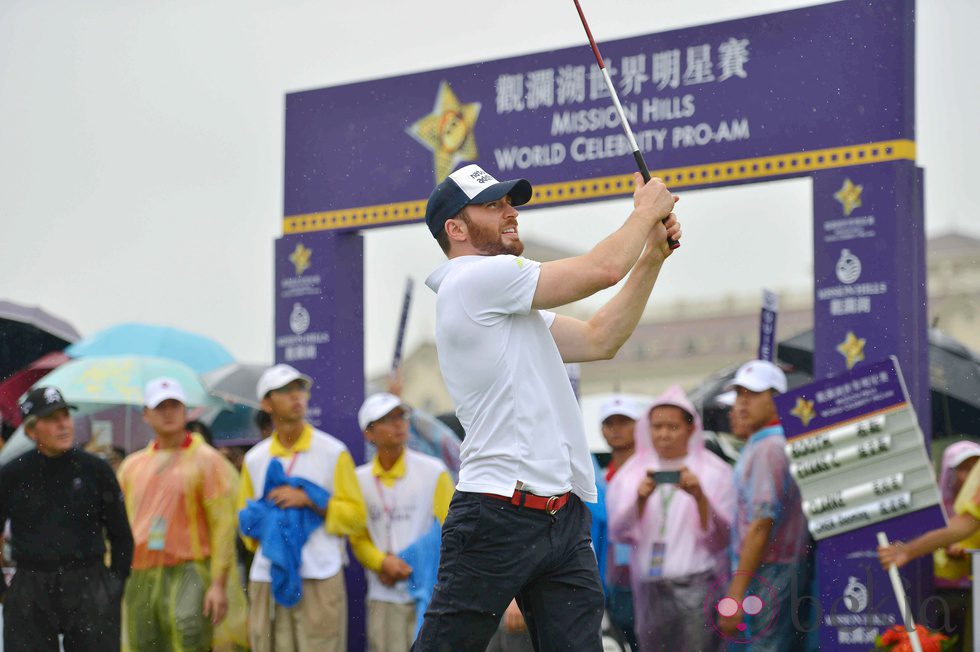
x: 493, y: 551
x: 82, y: 604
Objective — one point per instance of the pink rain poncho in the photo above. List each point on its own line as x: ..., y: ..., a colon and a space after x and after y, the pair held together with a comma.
x: 669, y: 604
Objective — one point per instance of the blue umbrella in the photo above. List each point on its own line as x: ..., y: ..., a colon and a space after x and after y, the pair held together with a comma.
x: 110, y: 388
x: 196, y: 351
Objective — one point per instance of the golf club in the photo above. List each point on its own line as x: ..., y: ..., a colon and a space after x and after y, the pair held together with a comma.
x: 637, y: 154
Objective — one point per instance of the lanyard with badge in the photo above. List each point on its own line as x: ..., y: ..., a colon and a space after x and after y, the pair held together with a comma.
x: 292, y: 463
x: 157, y: 538
x: 659, y: 551
x: 388, y: 511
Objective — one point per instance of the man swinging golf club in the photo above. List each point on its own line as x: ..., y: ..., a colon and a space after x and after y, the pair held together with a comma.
x: 517, y: 525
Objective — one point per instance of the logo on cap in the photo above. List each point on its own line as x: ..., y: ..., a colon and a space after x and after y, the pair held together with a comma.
x: 52, y: 395
x: 448, y: 131
x: 482, y: 177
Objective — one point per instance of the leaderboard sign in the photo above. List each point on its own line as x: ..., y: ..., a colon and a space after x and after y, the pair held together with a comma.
x: 858, y: 454
x: 856, y: 450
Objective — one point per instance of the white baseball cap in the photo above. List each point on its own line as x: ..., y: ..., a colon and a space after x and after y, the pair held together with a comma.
x: 377, y: 406
x: 758, y: 376
x: 161, y: 389
x: 617, y: 404
x: 278, y: 376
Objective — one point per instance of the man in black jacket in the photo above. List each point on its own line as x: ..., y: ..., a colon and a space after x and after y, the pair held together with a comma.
x: 63, y: 504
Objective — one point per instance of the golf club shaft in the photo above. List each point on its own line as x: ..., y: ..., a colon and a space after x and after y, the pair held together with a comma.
x: 637, y: 154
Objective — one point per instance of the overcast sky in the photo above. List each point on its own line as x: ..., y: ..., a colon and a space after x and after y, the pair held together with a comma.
x: 141, y: 150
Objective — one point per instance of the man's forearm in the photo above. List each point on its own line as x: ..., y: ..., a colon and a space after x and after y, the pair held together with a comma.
x: 616, y: 321
x: 619, y: 251
x: 750, y: 556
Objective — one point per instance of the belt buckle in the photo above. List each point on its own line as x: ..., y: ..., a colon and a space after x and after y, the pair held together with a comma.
x: 549, y: 506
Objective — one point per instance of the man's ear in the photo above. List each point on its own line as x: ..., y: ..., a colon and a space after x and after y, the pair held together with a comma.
x: 456, y: 230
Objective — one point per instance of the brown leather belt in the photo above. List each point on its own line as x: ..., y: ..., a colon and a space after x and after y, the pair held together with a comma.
x: 549, y: 504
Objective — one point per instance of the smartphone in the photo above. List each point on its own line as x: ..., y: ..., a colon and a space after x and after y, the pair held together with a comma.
x: 666, y: 477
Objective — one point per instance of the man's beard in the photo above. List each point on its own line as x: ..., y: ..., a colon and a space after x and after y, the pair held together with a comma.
x: 490, y: 242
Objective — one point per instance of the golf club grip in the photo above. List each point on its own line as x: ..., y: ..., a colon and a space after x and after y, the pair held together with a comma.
x: 645, y: 171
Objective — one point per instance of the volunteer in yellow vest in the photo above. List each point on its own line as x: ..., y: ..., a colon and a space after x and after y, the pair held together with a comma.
x: 180, y: 498
x: 404, y: 492
x: 319, y: 620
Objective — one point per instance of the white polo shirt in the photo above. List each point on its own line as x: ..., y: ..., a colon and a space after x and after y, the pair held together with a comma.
x: 504, y: 372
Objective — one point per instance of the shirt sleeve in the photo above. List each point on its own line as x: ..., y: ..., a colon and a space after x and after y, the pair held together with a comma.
x: 442, y: 496
x: 366, y: 552
x: 245, y: 494
x: 115, y: 522
x: 219, y: 510
x: 346, y: 513
x: 768, y: 473
x: 499, y: 286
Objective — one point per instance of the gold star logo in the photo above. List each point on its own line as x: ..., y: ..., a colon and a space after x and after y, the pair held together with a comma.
x: 803, y: 411
x: 852, y: 348
x: 849, y: 196
x: 300, y: 258
x: 447, y: 131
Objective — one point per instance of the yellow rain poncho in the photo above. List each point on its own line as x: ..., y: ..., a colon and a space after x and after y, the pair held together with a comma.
x: 181, y: 507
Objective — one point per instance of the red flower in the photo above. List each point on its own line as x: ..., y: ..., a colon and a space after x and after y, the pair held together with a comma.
x: 893, y: 635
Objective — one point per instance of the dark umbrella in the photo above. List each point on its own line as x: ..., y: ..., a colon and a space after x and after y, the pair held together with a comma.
x: 19, y: 382
x: 954, y: 379
x: 27, y: 333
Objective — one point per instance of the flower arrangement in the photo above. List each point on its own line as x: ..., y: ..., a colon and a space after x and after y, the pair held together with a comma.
x: 896, y: 639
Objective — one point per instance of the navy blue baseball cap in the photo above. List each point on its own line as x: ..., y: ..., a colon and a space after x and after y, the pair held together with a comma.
x: 43, y: 401
x: 470, y: 185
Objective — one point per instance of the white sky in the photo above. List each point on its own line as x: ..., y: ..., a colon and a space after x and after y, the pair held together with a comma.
x: 141, y: 149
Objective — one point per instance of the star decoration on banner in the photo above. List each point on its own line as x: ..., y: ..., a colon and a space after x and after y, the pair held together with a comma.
x: 300, y: 258
x: 803, y: 410
x: 852, y: 348
x: 849, y: 196
x: 448, y: 131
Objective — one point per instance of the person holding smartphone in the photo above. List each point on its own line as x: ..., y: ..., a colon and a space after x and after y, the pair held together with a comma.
x: 672, y: 502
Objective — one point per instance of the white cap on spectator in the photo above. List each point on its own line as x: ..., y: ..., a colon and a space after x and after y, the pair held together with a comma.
x: 161, y: 389
x: 375, y: 407
x: 617, y: 404
x: 279, y: 376
x: 758, y: 376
